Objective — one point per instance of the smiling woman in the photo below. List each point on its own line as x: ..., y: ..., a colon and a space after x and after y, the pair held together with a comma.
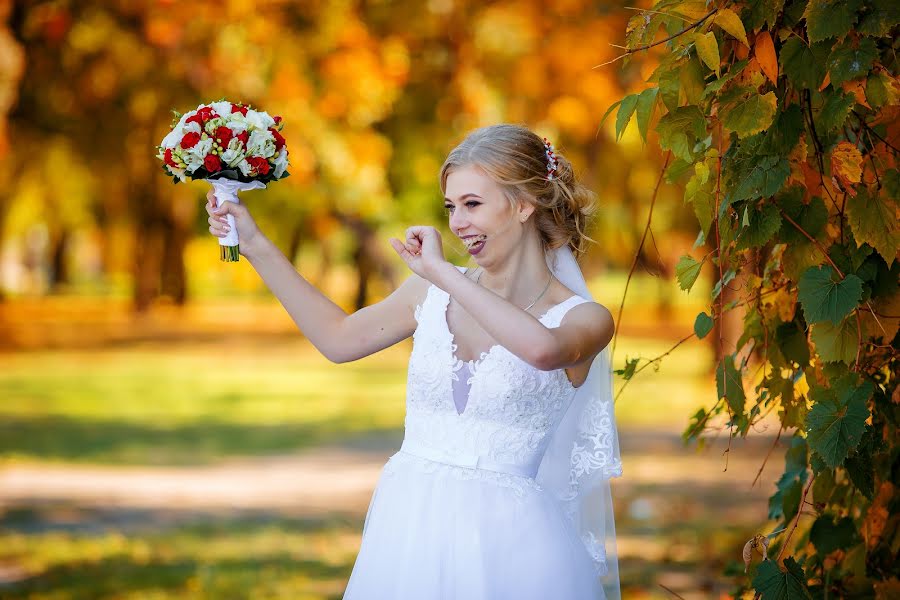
x: 501, y: 487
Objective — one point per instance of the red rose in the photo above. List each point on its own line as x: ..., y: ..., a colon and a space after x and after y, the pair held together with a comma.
x: 279, y: 140
x: 244, y: 136
x: 190, y: 139
x: 259, y: 164
x: 239, y: 108
x: 277, y: 120
x: 206, y: 113
x: 223, y: 135
x: 168, y: 158
x: 212, y: 163
x: 195, y: 119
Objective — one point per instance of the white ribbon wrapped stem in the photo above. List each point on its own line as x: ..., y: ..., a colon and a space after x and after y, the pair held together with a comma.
x: 226, y: 190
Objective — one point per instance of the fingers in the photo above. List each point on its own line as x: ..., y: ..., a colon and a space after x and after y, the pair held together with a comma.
x: 218, y: 226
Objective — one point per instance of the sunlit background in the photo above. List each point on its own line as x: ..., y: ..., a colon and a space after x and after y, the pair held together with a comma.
x: 165, y: 430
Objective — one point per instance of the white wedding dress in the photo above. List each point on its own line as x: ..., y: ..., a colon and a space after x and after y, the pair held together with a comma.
x: 457, y: 513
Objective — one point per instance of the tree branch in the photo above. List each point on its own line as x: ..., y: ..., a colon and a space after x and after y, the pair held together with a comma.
x: 693, y: 25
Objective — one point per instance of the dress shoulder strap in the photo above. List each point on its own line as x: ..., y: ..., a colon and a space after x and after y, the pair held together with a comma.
x: 555, y: 315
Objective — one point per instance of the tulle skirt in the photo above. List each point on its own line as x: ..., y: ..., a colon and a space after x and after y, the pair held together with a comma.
x: 435, y: 531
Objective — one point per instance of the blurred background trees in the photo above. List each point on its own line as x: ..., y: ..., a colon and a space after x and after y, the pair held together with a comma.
x: 373, y: 95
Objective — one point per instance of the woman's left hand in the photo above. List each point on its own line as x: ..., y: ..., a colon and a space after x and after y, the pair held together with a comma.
x: 423, y: 252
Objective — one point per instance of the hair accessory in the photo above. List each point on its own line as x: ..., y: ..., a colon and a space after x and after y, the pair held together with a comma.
x: 552, y: 162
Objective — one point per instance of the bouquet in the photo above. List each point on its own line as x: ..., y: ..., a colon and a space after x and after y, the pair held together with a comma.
x: 233, y: 147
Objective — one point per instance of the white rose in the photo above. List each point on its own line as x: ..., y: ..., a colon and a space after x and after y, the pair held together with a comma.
x: 193, y: 126
x: 237, y: 126
x: 223, y: 109
x: 281, y: 163
x: 171, y: 140
x: 234, y: 154
x: 259, y: 120
x: 261, y: 143
x: 200, y: 149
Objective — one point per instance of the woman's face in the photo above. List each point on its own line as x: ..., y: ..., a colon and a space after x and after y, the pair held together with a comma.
x: 481, y: 216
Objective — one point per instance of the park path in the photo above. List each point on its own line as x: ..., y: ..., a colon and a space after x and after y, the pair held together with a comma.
x: 340, y: 478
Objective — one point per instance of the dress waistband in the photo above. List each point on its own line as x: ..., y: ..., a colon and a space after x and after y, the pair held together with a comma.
x: 468, y: 461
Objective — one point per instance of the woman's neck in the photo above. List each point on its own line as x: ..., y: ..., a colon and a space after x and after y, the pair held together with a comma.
x: 522, y: 277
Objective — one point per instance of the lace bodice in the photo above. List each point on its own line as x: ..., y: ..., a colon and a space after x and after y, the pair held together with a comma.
x: 512, y: 408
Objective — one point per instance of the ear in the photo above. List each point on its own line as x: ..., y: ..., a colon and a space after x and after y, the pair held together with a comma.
x: 524, y: 209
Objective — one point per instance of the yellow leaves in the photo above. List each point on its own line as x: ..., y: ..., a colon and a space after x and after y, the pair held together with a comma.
x: 731, y: 23
x: 846, y: 166
x: 765, y: 54
x: 708, y: 50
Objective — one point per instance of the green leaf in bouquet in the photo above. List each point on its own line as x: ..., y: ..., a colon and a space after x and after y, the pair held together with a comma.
x: 836, y: 421
x: 232, y: 174
x: 774, y: 584
x: 823, y: 298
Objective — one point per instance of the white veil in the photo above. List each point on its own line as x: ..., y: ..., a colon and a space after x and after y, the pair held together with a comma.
x: 583, y: 453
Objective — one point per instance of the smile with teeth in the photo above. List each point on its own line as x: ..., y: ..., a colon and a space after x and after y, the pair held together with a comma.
x: 474, y: 240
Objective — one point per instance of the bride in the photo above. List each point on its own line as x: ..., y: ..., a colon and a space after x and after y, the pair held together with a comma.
x: 500, y: 489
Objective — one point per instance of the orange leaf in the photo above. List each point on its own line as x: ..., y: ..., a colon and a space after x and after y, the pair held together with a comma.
x: 826, y: 81
x: 857, y: 87
x: 765, y: 54
x: 846, y: 165
x: 740, y: 51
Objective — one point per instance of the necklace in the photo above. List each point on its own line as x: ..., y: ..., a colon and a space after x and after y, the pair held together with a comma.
x: 541, y: 295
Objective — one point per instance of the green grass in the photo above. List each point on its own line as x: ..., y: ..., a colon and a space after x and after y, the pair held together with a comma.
x: 239, y: 557
x: 192, y: 403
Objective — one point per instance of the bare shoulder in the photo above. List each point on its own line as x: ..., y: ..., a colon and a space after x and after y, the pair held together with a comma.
x: 594, y: 320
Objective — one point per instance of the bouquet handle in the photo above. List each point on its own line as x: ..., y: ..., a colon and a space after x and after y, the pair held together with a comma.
x: 226, y: 190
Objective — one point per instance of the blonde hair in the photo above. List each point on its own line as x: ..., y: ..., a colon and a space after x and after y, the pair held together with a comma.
x: 515, y: 157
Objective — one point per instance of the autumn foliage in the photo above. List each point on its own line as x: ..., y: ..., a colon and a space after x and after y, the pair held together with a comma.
x: 780, y: 118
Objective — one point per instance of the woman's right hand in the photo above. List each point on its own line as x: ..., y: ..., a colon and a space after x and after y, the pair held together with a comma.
x: 248, y: 232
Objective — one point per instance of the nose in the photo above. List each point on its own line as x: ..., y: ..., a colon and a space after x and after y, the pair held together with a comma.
x: 458, y: 221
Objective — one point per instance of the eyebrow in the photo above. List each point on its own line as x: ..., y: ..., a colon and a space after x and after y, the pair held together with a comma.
x: 464, y: 196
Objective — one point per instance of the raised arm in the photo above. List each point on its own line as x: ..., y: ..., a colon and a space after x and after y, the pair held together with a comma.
x: 338, y: 336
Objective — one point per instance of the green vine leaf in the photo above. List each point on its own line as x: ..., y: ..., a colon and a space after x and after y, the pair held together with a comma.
x: 830, y: 18
x: 836, y: 343
x: 775, y: 584
x: 729, y: 384
x: 752, y: 115
x: 837, y: 419
x: 708, y: 50
x: 645, y: 103
x: 824, y: 299
x: 804, y: 65
x: 879, y: 17
x: 680, y: 129
x: 873, y: 221
x: 850, y: 60
x: 626, y: 109
x: 703, y: 324
x: 686, y: 271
